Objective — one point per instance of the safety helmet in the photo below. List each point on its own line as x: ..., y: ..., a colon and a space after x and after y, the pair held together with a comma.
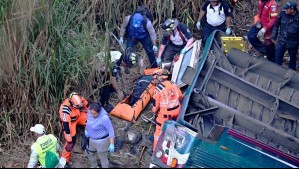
x: 170, y: 24
x: 130, y: 58
x: 75, y: 100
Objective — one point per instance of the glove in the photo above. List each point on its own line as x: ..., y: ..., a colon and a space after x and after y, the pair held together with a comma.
x: 198, y: 25
x: 183, y: 51
x: 158, y: 60
x: 111, y: 148
x: 121, y: 40
x: 228, y: 31
x: 86, y: 133
x: 155, y: 48
x: 261, y: 32
x: 69, y: 147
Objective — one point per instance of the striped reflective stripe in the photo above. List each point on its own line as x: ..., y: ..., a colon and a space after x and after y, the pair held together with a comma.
x: 66, y: 110
x: 169, y: 104
x: 73, y: 118
x: 160, y: 87
x: 273, y: 14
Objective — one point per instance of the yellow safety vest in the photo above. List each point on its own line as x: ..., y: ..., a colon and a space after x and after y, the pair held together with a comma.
x: 45, y: 144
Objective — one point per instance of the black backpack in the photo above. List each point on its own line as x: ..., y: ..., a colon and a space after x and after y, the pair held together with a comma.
x: 145, y: 12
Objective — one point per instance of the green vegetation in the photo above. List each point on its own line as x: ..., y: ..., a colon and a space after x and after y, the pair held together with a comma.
x: 48, y: 49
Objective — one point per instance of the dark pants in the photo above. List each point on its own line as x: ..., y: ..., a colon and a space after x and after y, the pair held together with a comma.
x: 147, y: 45
x: 280, y: 50
x: 208, y: 29
x: 170, y: 51
x: 105, y: 94
x: 267, y: 48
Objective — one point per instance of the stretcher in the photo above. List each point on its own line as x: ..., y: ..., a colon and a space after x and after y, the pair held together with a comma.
x: 129, y: 109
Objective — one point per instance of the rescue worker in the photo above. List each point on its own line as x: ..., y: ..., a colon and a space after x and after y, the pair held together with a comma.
x: 287, y: 30
x: 136, y: 31
x: 166, y: 102
x: 263, y: 24
x: 44, y: 150
x: 176, y: 39
x: 72, y: 112
x: 106, y: 80
x: 215, y: 15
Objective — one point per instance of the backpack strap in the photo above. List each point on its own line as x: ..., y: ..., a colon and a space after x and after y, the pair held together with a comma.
x: 130, y: 20
x: 160, y: 87
x: 180, y: 34
x: 144, y: 20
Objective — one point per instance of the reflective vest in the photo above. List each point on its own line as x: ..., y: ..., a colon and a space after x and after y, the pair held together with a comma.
x: 44, y: 144
x: 69, y: 114
x: 167, y: 104
x: 167, y: 95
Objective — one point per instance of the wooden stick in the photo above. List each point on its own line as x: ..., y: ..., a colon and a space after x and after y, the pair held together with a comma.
x: 143, y: 147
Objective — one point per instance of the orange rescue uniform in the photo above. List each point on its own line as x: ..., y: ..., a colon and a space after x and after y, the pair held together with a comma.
x: 167, y: 97
x: 70, y: 117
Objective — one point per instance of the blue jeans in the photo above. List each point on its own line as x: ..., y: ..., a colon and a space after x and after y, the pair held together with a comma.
x: 147, y: 45
x: 267, y: 48
x: 280, y: 50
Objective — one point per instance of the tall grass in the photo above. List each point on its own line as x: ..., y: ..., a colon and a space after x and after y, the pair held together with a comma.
x: 48, y: 49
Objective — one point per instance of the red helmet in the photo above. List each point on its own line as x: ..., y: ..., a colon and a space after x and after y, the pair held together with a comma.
x: 75, y: 100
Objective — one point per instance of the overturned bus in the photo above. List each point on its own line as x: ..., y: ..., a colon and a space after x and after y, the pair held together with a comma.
x: 238, y: 111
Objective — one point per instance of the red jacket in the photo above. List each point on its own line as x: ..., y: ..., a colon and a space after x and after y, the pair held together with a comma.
x: 268, y: 13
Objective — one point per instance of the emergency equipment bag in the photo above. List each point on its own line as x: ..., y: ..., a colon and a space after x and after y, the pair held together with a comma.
x: 51, y: 159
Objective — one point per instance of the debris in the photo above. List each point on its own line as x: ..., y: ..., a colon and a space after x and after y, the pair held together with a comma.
x: 143, y: 147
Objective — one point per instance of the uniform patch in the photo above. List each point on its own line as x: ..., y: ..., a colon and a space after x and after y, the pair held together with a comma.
x: 273, y: 8
x: 229, y: 10
x: 188, y: 30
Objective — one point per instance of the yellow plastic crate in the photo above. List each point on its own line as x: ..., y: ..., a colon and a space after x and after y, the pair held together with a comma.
x: 232, y: 42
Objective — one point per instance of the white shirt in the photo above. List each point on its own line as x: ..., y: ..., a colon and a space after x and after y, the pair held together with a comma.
x: 176, y: 38
x: 213, y: 17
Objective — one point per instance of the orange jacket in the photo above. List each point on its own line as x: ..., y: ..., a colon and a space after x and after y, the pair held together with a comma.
x: 268, y: 13
x: 167, y: 96
x: 69, y: 115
